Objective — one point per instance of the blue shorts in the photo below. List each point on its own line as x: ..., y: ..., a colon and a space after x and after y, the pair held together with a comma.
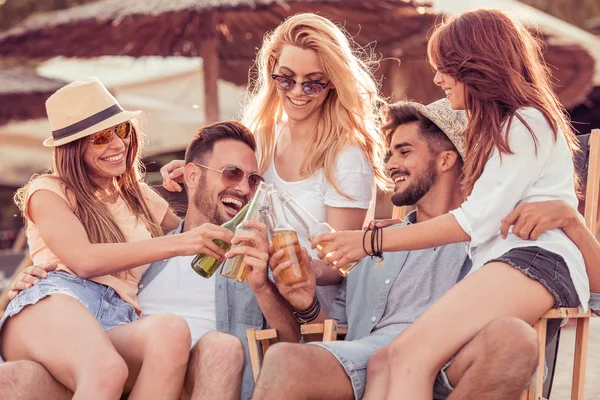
x: 102, y: 301
x: 353, y: 355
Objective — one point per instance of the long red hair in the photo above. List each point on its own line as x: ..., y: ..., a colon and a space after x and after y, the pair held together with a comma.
x: 502, y: 67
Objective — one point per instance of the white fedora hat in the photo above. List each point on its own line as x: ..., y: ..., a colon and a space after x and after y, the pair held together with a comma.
x: 80, y: 109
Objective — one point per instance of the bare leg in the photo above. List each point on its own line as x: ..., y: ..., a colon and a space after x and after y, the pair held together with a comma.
x: 215, y: 368
x: 28, y: 380
x: 156, y: 351
x: 378, y: 375
x: 299, y: 371
x: 497, y: 364
x: 496, y: 290
x: 62, y: 335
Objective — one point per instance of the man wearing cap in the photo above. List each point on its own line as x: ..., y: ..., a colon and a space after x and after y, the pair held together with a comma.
x: 425, y: 163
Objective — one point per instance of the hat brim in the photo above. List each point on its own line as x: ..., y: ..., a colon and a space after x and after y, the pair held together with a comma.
x: 117, y: 119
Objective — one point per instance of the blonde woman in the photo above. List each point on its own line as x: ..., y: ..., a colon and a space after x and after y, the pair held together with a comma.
x: 315, y: 113
x: 92, y: 215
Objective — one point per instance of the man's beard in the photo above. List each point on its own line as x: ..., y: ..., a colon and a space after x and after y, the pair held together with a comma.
x: 419, y: 188
x: 206, y: 206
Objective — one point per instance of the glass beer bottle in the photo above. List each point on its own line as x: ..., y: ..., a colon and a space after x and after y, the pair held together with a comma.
x: 205, y: 265
x: 285, y: 238
x: 235, y: 268
x: 313, y: 226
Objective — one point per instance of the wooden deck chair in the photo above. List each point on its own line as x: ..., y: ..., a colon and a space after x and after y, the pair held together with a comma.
x: 535, y: 390
x: 260, y: 341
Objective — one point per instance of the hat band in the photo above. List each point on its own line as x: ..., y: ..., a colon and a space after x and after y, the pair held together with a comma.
x: 87, y: 122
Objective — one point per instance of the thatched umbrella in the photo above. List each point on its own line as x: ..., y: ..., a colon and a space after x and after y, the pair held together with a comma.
x: 23, y: 94
x: 223, y: 32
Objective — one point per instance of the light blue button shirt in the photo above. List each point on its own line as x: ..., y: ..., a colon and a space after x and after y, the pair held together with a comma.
x: 389, y: 299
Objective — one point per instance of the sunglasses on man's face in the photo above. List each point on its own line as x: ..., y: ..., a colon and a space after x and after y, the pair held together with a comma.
x: 104, y: 137
x: 232, y: 175
x: 310, y: 88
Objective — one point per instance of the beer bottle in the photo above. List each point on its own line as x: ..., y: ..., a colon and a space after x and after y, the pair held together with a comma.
x: 205, y: 265
x: 313, y: 226
x: 285, y: 238
x: 235, y: 268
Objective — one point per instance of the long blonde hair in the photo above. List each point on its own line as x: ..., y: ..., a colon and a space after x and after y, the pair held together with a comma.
x: 502, y: 67
x: 70, y: 170
x: 351, y: 114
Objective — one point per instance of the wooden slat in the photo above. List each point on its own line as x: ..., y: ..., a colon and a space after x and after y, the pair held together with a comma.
x: 264, y: 334
x: 342, y: 329
x: 580, y: 359
x: 311, y: 329
x: 329, y: 330
x: 536, y: 386
x: 265, y: 344
x: 593, y: 183
x: 559, y: 313
x: 253, y: 350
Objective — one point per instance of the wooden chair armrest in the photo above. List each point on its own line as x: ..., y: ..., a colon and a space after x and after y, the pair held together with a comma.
x: 329, y: 328
x: 559, y: 313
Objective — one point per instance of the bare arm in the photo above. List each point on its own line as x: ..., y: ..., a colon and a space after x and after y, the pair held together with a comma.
x: 348, y: 246
x: 299, y: 295
x: 66, y: 237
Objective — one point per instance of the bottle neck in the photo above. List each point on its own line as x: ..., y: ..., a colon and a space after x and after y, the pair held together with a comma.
x: 239, y: 217
x: 257, y: 201
x: 308, y: 222
x: 280, y: 219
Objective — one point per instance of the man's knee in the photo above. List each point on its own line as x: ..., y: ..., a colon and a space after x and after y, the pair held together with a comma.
x: 28, y: 379
x: 220, y: 348
x: 513, y: 339
x: 284, y: 362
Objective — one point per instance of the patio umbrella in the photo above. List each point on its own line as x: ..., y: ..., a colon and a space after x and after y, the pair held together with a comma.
x: 225, y: 33
x: 23, y: 94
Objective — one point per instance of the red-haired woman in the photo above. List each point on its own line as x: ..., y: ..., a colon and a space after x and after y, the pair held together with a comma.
x: 519, y: 150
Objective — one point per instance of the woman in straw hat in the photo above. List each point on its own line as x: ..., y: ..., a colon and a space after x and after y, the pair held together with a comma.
x: 519, y: 148
x: 93, y: 216
x: 315, y: 111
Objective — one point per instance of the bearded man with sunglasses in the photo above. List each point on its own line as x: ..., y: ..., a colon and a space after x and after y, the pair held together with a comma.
x: 220, y: 176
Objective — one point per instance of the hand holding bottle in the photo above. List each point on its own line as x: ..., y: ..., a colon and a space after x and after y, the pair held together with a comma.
x: 342, y: 247
x: 200, y: 240
x: 300, y: 294
x: 253, y: 244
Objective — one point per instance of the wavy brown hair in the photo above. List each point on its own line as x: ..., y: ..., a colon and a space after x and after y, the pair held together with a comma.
x: 502, y: 67
x: 70, y: 170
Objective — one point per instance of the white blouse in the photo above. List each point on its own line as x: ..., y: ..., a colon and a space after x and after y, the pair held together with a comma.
x: 510, y: 179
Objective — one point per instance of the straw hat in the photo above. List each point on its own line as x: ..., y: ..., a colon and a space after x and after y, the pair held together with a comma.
x: 80, y: 109
x: 451, y: 122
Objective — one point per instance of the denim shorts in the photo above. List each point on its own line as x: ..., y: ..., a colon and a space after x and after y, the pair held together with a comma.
x: 353, y: 356
x: 102, y: 301
x: 546, y: 267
